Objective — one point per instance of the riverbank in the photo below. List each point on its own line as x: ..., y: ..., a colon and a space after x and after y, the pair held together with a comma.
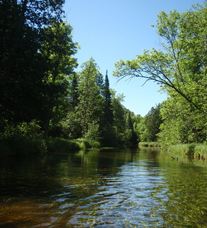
x: 191, y: 151
x: 22, y: 145
x: 153, y: 145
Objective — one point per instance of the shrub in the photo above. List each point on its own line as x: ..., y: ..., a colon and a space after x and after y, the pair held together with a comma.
x: 24, y: 138
x: 85, y: 144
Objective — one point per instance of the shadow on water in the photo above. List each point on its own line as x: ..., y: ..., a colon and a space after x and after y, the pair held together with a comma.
x: 110, y: 187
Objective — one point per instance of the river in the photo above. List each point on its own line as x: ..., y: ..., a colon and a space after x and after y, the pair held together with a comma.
x: 111, y: 188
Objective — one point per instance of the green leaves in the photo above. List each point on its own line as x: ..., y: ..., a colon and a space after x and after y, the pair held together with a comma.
x: 180, y: 69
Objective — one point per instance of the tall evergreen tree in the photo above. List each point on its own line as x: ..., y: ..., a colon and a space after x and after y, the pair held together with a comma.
x: 108, y: 112
x: 107, y: 131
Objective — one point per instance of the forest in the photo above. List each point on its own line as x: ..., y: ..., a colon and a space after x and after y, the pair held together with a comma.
x: 46, y: 102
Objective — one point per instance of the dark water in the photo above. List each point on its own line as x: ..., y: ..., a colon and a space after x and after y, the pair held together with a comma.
x: 102, y: 189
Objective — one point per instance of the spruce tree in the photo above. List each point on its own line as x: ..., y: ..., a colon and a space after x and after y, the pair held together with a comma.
x: 107, y: 118
x: 108, y: 113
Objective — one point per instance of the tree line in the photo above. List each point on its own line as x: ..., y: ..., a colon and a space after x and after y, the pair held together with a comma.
x: 41, y: 92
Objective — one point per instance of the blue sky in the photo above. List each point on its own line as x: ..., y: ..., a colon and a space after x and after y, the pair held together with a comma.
x: 110, y: 30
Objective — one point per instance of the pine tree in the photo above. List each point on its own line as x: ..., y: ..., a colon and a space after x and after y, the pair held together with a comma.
x: 108, y: 112
x: 107, y: 118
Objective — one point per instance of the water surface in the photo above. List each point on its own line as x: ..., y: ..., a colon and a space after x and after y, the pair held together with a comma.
x: 102, y: 189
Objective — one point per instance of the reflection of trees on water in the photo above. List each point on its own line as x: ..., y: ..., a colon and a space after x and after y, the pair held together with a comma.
x: 140, y: 184
x: 187, y: 199
x: 35, y: 177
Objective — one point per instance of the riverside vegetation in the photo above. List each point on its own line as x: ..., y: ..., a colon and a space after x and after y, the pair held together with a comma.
x: 180, y: 68
x: 47, y: 105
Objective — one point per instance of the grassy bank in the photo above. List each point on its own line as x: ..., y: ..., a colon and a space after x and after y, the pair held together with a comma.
x: 192, y: 151
x: 24, y: 145
x: 149, y: 145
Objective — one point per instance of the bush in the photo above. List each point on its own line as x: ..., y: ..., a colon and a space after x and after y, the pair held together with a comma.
x: 85, y: 144
x: 24, y: 138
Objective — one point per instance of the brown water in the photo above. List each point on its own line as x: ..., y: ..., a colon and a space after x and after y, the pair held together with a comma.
x: 102, y: 189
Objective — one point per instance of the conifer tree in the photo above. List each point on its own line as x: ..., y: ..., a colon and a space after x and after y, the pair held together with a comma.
x: 107, y: 118
x: 108, y: 113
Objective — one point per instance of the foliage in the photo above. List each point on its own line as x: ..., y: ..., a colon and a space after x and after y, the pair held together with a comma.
x: 24, y: 138
x: 152, y: 122
x: 60, y: 145
x: 93, y: 132
x: 58, y: 49
x: 148, y: 126
x: 107, y: 122
x: 86, y: 144
x: 41, y: 97
x: 35, y: 59
x: 89, y: 108
x: 180, y: 69
x: 149, y: 144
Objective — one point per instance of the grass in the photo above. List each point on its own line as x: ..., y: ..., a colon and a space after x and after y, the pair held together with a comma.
x: 192, y: 151
x: 149, y: 145
x: 200, y: 152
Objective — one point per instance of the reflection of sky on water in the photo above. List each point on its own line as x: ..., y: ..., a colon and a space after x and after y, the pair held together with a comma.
x: 132, y: 196
x: 103, y: 188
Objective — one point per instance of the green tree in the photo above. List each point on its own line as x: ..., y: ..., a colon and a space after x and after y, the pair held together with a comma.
x: 74, y: 94
x: 58, y: 49
x: 119, y: 118
x: 22, y: 66
x: 107, y: 130
x: 108, y: 112
x: 132, y: 137
x: 152, y: 122
x: 89, y: 109
x: 35, y: 60
x: 180, y: 69
x: 182, y: 63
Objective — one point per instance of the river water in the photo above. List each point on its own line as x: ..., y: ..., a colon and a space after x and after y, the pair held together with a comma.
x: 109, y: 188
